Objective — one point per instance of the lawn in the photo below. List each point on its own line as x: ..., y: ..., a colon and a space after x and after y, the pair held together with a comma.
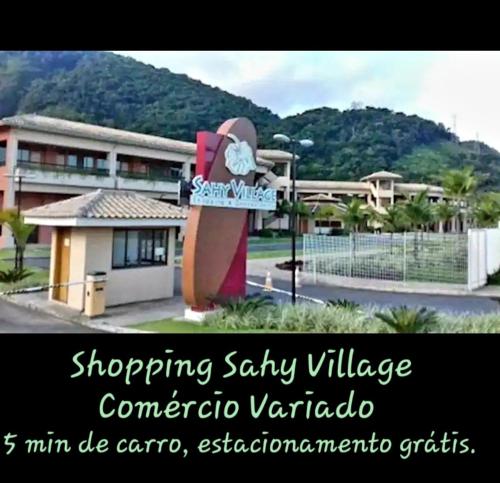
x: 38, y: 277
x: 267, y: 241
x: 269, y: 254
x: 172, y: 326
x: 32, y: 251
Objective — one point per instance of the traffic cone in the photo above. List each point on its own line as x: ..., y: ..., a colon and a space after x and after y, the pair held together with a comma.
x: 268, y: 286
x: 297, y: 278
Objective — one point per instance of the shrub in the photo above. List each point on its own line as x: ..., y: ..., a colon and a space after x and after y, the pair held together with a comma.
x: 405, y: 320
x: 494, y: 279
x: 14, y: 275
x: 266, y: 233
x: 346, y: 304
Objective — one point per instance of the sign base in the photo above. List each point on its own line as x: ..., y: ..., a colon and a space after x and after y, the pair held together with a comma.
x: 198, y: 315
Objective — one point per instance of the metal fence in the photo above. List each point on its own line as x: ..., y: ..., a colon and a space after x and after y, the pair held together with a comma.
x: 422, y: 257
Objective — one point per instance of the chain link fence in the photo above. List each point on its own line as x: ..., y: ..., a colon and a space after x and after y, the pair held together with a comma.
x: 405, y: 257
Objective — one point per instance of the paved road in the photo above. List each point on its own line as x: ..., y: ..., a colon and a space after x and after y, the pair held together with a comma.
x: 14, y: 319
x: 444, y: 303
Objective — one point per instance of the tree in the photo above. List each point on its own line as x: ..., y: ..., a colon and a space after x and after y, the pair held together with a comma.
x: 283, y: 208
x: 20, y: 231
x: 354, y: 215
x: 394, y: 220
x: 419, y: 214
x: 460, y: 185
x: 486, y: 212
x: 302, y: 211
x: 443, y: 213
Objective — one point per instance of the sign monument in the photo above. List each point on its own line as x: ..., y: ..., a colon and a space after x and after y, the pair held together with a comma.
x: 223, y: 190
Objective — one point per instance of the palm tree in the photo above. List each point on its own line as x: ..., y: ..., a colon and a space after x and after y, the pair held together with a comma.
x: 459, y: 185
x: 353, y: 217
x: 394, y: 220
x: 486, y: 212
x: 283, y: 208
x: 325, y: 212
x: 20, y: 231
x: 444, y: 212
x: 302, y: 211
x: 419, y: 214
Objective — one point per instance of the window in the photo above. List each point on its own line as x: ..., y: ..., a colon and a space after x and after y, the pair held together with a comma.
x: 139, y: 248
x: 72, y: 160
x: 123, y: 166
x: 23, y: 155
x: 102, y: 164
x: 3, y: 151
x: 88, y: 162
x: 36, y: 157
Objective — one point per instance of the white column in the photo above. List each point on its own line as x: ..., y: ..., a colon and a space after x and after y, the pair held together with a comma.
x: 186, y: 170
x: 9, y: 197
x: 112, y: 163
x: 259, y: 224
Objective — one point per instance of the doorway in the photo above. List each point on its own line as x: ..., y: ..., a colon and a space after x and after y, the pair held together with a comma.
x: 61, y: 269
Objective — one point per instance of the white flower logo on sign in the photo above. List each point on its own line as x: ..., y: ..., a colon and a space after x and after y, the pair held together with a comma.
x: 239, y: 157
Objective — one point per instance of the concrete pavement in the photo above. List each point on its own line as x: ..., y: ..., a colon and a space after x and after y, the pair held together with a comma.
x: 15, y: 319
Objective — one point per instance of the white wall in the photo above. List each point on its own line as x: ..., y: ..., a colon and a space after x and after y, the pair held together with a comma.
x: 91, y: 250
x: 492, y: 250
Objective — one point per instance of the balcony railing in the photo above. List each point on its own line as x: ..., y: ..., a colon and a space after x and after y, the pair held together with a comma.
x: 149, y: 176
x: 63, y: 169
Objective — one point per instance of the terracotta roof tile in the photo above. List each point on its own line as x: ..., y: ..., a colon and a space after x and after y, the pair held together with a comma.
x: 109, y: 204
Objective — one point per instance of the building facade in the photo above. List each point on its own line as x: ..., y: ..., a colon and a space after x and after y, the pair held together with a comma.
x: 58, y: 159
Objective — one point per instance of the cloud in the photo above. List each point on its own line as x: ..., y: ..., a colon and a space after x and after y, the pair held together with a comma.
x: 464, y: 84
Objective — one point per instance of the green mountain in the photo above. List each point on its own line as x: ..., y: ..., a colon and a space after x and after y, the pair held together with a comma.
x: 111, y: 90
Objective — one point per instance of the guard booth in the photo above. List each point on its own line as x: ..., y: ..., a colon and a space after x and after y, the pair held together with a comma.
x: 110, y: 248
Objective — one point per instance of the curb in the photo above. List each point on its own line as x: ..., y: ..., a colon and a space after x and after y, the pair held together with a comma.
x: 78, y: 320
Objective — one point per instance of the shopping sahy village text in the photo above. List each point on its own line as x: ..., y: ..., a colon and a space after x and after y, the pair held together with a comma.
x: 331, y: 363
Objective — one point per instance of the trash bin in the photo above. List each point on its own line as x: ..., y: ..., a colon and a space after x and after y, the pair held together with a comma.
x: 95, y: 295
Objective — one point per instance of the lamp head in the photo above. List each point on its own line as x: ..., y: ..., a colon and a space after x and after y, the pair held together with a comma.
x: 281, y: 138
x: 306, y: 143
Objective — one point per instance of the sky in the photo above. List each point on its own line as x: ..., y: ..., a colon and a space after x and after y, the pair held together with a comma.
x: 458, y: 89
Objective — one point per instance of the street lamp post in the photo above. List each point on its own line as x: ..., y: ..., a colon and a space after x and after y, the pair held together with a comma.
x: 305, y: 143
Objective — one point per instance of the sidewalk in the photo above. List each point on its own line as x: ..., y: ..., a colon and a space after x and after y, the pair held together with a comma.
x: 114, y: 320
x: 260, y: 268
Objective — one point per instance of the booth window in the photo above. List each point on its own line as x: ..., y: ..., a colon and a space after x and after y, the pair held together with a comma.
x: 139, y: 248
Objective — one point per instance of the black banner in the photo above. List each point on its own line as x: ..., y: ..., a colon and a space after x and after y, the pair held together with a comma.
x: 188, y: 400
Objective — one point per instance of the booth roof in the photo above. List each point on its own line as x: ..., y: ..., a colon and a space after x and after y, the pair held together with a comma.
x: 109, y: 204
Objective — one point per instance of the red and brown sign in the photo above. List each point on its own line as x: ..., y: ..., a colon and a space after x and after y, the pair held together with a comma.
x: 215, y: 245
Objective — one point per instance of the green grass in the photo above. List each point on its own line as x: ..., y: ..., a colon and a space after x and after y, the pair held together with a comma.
x: 267, y: 241
x: 34, y: 251
x: 269, y: 254
x: 39, y: 277
x: 172, y: 326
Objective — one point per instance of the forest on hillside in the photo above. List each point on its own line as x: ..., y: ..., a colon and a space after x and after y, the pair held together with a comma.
x: 116, y: 91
